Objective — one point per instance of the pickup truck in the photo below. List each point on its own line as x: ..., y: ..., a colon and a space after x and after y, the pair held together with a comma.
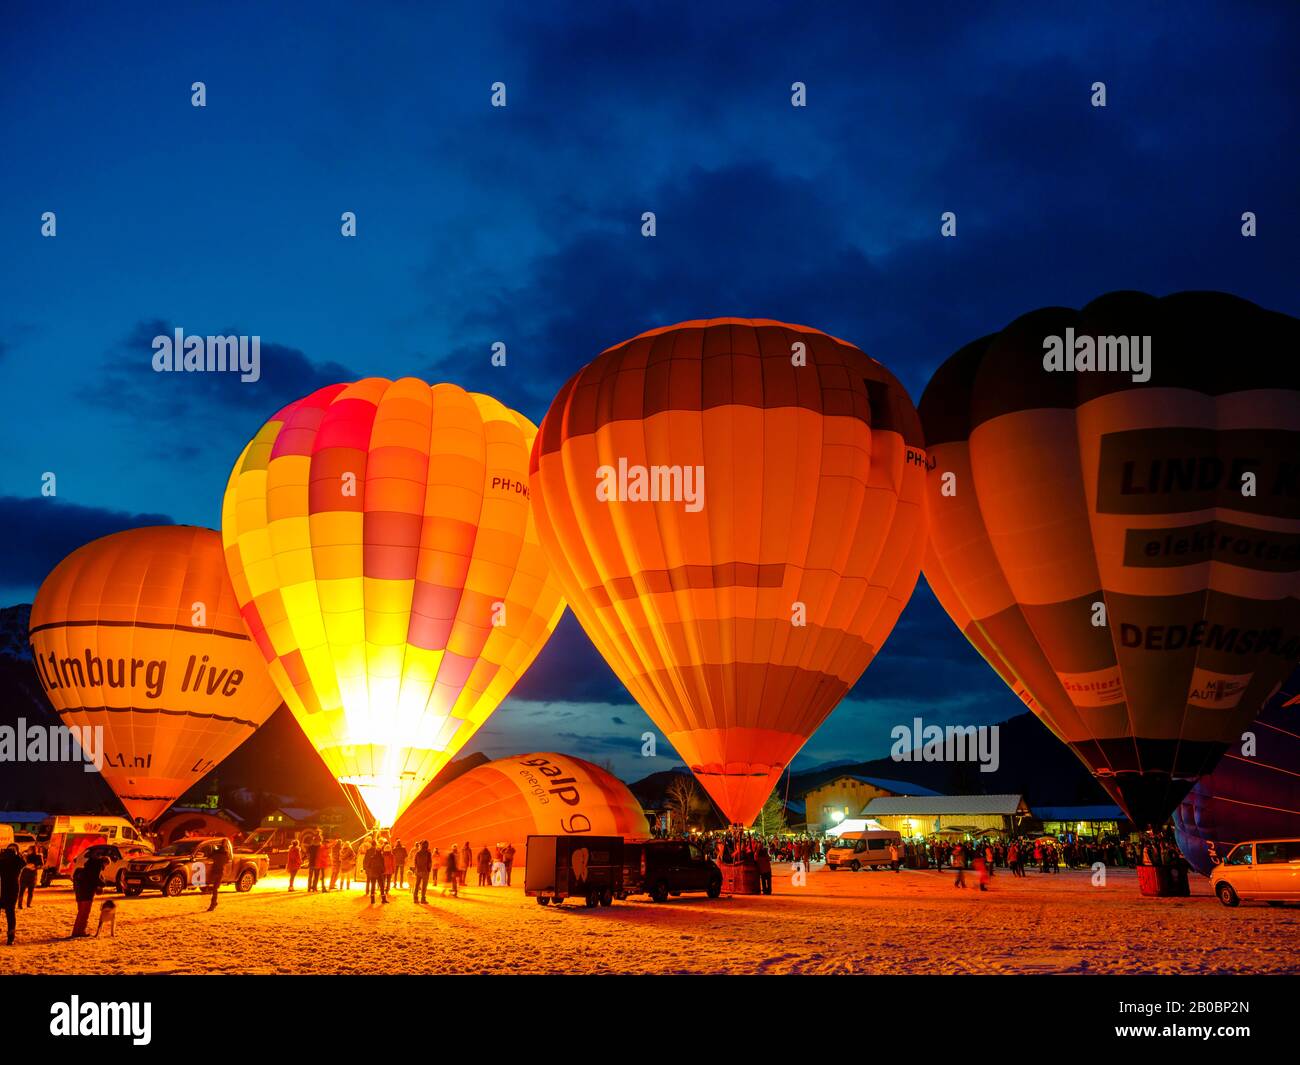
x: 600, y: 869
x: 188, y: 863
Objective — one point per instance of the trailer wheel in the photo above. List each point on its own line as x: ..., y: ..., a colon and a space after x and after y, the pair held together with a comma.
x: 542, y: 900
x: 591, y: 900
x: 607, y: 897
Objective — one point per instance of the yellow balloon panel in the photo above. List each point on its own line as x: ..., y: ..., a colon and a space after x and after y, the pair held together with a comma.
x: 381, y: 540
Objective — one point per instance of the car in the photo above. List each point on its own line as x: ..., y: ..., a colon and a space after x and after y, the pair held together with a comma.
x: 663, y: 867
x: 868, y: 849
x: 188, y: 863
x: 116, y: 858
x: 1265, y: 869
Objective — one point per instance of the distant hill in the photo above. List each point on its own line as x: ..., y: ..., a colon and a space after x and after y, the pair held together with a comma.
x: 1032, y: 763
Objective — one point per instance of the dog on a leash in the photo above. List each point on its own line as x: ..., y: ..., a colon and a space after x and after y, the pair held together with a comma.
x: 107, y: 916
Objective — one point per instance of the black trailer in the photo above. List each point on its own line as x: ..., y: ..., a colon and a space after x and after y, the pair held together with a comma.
x: 585, y: 867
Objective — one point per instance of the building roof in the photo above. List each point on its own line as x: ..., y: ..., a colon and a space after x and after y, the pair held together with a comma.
x: 1100, y: 812
x: 898, y: 787
x: 942, y: 805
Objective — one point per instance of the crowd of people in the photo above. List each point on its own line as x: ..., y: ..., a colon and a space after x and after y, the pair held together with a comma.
x: 385, y: 864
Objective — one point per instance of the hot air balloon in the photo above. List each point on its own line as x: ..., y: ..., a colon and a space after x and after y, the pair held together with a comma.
x: 139, y: 633
x: 381, y: 546
x: 1115, y: 524
x: 735, y: 510
x: 1253, y: 795
x: 506, y: 801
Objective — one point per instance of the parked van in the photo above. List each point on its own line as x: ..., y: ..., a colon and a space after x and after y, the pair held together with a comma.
x: 1267, y: 869
x: 64, y: 838
x: 863, y: 850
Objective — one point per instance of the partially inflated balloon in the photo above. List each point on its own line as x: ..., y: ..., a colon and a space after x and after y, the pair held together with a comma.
x: 139, y: 633
x: 510, y: 799
x: 1115, y: 524
x: 1254, y: 791
x: 735, y: 509
x: 380, y: 541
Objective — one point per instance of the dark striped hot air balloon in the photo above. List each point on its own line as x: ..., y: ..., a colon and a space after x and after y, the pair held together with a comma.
x: 734, y: 509
x: 1121, y: 540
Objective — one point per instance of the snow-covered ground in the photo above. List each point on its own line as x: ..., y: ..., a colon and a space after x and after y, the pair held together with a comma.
x: 910, y: 922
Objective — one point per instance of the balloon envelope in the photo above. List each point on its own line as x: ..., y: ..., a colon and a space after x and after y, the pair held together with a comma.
x: 508, y: 800
x: 735, y: 509
x: 381, y: 545
x: 1122, y: 544
x: 140, y: 633
x: 1247, y: 797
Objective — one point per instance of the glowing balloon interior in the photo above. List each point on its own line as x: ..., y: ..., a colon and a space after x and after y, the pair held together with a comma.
x: 381, y: 544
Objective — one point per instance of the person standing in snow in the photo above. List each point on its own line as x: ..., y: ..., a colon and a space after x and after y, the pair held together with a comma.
x: 347, y: 859
x: 220, y: 858
x: 422, y: 864
x: 484, y: 867
x: 294, y: 860
x: 763, y: 861
x: 959, y: 863
x: 374, y: 866
x: 508, y: 856
x: 313, y: 849
x: 32, y: 863
x: 399, y: 865
x: 390, y: 867
x: 11, y: 869
x: 466, y: 863
x: 451, y: 871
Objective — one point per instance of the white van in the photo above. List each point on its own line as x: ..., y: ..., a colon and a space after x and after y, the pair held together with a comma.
x: 864, y: 850
x: 1267, y: 869
x: 64, y: 837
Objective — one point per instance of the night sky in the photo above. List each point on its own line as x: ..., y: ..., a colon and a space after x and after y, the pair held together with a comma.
x: 523, y: 225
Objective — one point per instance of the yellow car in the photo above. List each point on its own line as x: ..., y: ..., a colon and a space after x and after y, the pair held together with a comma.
x: 1267, y: 869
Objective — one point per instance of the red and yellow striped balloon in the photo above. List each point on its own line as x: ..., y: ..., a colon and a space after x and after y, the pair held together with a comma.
x: 381, y: 544
x: 740, y: 622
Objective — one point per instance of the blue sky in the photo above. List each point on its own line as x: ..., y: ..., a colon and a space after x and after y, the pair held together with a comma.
x: 522, y: 225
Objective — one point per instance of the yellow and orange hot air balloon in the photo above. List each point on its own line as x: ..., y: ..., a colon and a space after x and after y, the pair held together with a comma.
x: 381, y: 544
x: 735, y: 510
x: 139, y: 633
x: 1115, y: 524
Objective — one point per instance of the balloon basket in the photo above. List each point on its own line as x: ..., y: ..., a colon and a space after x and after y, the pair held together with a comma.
x: 1163, y: 881
x: 739, y: 878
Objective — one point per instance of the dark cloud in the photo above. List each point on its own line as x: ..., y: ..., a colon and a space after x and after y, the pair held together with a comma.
x: 130, y: 383
x: 40, y: 531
